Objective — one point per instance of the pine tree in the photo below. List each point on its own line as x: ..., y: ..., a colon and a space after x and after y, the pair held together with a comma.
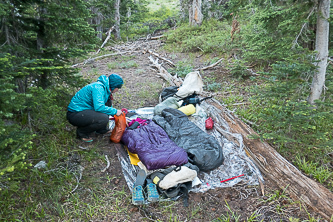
x: 38, y: 41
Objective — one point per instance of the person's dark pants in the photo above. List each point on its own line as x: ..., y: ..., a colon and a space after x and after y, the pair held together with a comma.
x: 87, y: 122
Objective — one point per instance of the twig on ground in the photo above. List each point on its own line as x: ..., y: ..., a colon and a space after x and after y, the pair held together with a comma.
x: 83, y: 148
x: 107, y: 165
x: 77, y: 185
x: 249, y: 122
x: 238, y: 104
x: 210, y: 66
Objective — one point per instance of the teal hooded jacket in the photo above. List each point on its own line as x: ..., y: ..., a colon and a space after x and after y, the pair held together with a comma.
x: 93, y: 97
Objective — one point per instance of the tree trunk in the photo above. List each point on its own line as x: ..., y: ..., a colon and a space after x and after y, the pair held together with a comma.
x: 277, y: 169
x: 322, y: 49
x: 40, y: 44
x: 184, y: 7
x: 99, y: 27
x: 195, y: 14
x: 117, y: 19
x: 96, y: 20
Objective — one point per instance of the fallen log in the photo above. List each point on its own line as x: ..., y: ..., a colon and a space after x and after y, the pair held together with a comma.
x: 160, y: 57
x: 279, y: 170
x: 172, y: 80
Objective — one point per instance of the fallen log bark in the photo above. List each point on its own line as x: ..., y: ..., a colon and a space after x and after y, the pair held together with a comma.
x: 279, y: 170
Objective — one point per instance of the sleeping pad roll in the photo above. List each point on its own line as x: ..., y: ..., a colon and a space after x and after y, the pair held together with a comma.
x: 153, y: 146
x: 203, y: 150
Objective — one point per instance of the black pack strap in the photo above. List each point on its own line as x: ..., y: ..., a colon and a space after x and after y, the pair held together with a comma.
x: 205, y: 98
x: 178, y: 168
x: 184, y: 190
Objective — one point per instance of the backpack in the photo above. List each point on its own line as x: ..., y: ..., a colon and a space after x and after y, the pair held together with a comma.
x: 174, y: 181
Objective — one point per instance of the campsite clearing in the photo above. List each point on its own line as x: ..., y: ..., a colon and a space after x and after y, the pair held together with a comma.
x: 141, y: 89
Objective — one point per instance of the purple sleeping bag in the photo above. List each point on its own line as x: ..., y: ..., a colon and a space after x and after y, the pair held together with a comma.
x: 153, y: 146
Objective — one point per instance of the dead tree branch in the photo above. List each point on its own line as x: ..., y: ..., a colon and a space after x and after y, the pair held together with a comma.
x: 160, y: 57
x: 295, y: 41
x: 106, y: 40
x: 90, y: 60
x: 210, y: 66
x: 172, y: 80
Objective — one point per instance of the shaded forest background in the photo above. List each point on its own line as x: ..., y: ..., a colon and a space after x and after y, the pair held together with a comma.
x: 268, y: 42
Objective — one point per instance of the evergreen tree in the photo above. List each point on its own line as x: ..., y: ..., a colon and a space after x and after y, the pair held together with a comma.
x: 38, y: 41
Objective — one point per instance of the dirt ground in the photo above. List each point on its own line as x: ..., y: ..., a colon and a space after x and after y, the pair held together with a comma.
x: 141, y: 89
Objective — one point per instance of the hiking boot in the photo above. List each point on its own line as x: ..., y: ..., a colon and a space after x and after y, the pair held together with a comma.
x: 137, y: 195
x: 152, y: 193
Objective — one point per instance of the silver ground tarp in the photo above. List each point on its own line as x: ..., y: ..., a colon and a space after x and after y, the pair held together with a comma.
x: 236, y: 162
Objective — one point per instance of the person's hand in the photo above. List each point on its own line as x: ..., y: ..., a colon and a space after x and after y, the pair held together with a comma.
x: 127, y: 122
x: 119, y: 112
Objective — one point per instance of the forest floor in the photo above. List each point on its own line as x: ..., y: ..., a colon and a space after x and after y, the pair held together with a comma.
x: 141, y: 89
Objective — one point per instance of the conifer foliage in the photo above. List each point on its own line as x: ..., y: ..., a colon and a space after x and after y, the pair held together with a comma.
x: 38, y: 39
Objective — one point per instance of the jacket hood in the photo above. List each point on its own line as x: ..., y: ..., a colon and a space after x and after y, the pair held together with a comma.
x: 105, y: 81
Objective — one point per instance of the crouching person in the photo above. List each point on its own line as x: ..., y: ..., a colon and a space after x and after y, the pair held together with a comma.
x: 91, y: 106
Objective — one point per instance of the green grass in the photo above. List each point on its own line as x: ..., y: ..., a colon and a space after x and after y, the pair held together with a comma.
x: 155, y: 5
x: 122, y: 65
x: 299, y: 132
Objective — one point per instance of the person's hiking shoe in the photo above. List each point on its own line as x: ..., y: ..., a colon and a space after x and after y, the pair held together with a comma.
x: 137, y: 195
x: 87, y: 140
x: 152, y: 193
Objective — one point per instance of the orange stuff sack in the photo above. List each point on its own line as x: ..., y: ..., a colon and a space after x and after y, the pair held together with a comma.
x: 119, y: 129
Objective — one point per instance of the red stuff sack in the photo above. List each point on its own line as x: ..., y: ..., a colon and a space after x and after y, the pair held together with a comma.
x: 119, y: 128
x: 209, y: 123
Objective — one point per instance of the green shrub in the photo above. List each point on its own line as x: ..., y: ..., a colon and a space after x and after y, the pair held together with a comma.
x: 286, y: 120
x: 182, y: 69
x: 211, y: 36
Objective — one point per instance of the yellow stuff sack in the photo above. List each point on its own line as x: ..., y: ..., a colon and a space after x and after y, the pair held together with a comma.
x: 188, y: 110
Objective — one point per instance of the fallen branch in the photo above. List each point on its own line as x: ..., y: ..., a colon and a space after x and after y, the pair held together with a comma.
x: 210, y: 66
x: 77, y: 185
x: 107, y: 165
x: 90, y: 60
x: 158, y: 56
x: 252, y: 72
x: 172, y: 80
x: 156, y: 37
x: 83, y: 148
x: 238, y: 104
x: 107, y: 39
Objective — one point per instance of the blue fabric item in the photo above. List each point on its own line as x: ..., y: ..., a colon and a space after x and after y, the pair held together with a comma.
x: 154, y: 147
x: 115, y: 81
x: 203, y: 149
x: 93, y: 97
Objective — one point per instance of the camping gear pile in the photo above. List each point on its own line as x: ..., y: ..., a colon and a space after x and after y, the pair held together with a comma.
x: 174, y: 148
